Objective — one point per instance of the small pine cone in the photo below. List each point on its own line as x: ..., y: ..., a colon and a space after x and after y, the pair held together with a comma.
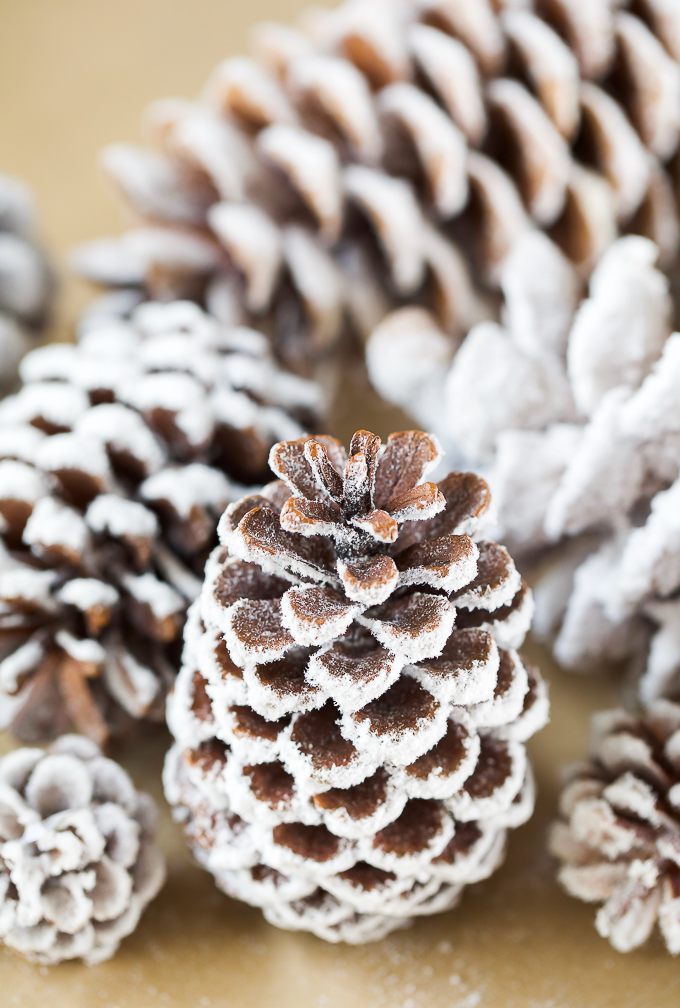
x: 116, y: 459
x: 351, y: 711
x: 26, y: 282
x: 353, y: 162
x: 570, y: 409
x: 618, y: 839
x: 78, y: 858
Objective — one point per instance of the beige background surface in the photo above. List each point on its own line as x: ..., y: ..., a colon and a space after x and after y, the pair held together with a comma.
x: 74, y: 75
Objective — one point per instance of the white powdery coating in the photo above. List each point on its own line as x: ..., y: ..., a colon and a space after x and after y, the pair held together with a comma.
x: 313, y: 167
x: 440, y: 144
x: 74, y: 451
x: 526, y: 473
x: 472, y: 684
x: 339, y: 86
x: 254, y: 241
x: 54, y: 361
x: 121, y: 518
x: 16, y: 665
x: 504, y: 707
x: 155, y: 184
x: 59, y: 404
x: 53, y: 525
x: 541, y: 293
x: 84, y: 593
x: 83, y: 650
x: 650, y: 561
x: 663, y: 664
x: 493, y: 386
x: 123, y: 429
x: 135, y: 686
x: 193, y: 485
x: 22, y: 482
x: 161, y: 598
x: 620, y: 330
x: 23, y: 582
x: 587, y: 633
x: 603, y: 477
x: 400, y: 746
x: 20, y: 442
x: 77, y: 847
x: 179, y: 394
x: 391, y: 206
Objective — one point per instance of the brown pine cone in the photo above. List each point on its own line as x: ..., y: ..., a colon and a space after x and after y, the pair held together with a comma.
x: 116, y: 459
x: 619, y: 836
x: 348, y: 166
x: 351, y: 712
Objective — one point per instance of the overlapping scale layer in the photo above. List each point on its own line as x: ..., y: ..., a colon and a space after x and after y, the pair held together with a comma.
x: 116, y: 459
x: 353, y: 162
x: 618, y: 836
x: 78, y: 858
x: 569, y: 408
x: 351, y: 711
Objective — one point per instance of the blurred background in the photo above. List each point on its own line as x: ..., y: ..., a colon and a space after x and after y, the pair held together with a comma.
x: 77, y: 74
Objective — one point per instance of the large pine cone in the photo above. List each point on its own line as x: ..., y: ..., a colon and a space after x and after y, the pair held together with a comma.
x: 351, y: 710
x: 116, y: 459
x: 619, y: 837
x: 345, y: 168
x: 78, y: 861
x: 570, y: 408
x: 26, y: 282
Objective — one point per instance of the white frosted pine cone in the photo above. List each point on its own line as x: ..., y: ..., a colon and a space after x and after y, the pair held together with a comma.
x: 351, y: 712
x: 26, y: 282
x: 78, y: 858
x: 570, y: 409
x: 117, y: 457
x: 618, y: 836
x: 386, y: 152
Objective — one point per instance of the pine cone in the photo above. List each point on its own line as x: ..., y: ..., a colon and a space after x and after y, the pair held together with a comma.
x: 351, y: 163
x: 619, y: 837
x: 26, y: 282
x: 570, y: 410
x: 351, y: 710
x: 117, y: 457
x: 78, y: 861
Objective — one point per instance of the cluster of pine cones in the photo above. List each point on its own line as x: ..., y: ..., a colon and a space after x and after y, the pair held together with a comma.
x: 485, y: 198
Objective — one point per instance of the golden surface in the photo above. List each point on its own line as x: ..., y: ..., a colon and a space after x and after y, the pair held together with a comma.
x: 74, y: 75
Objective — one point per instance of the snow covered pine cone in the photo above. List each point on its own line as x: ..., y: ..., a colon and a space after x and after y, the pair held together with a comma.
x: 619, y: 836
x: 351, y: 711
x: 117, y: 458
x: 26, y: 283
x: 350, y: 165
x: 78, y: 861
x: 570, y: 409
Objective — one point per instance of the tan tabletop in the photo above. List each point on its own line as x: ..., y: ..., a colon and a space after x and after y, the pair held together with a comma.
x: 75, y: 75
